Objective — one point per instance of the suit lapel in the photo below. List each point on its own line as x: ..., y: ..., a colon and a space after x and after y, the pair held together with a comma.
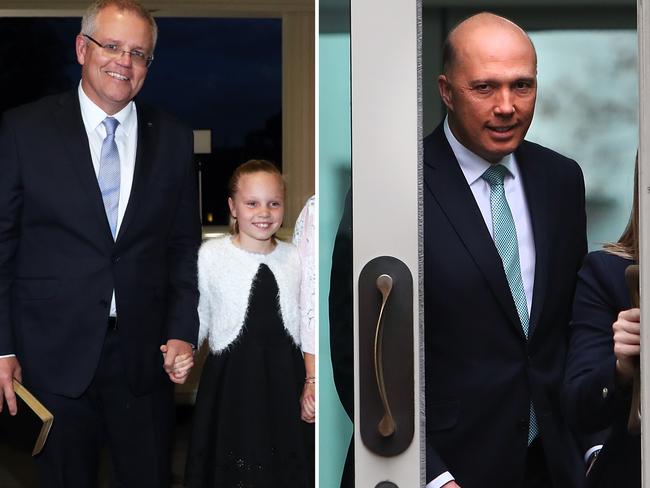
x: 537, y: 189
x: 144, y: 155
x: 75, y: 139
x: 446, y: 182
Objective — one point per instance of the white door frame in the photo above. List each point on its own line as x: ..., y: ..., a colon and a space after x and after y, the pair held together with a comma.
x: 386, y: 162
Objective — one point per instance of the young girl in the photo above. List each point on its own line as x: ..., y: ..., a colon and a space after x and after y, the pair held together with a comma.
x: 247, y: 430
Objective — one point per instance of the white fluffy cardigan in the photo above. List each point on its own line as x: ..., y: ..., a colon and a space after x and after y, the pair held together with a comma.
x: 226, y: 275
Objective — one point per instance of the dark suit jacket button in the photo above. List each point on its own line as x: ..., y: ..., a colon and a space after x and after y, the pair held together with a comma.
x: 116, y: 259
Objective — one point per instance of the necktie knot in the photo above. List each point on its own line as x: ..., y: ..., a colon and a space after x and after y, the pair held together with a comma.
x: 495, y: 174
x: 111, y: 125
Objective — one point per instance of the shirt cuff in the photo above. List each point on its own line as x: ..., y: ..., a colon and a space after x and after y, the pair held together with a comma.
x: 7, y: 356
x: 590, y: 452
x: 439, y: 481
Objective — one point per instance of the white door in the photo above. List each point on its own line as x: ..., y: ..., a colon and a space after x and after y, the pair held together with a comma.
x: 386, y: 157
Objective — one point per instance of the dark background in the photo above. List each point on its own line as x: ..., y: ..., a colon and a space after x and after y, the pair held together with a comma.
x: 219, y: 74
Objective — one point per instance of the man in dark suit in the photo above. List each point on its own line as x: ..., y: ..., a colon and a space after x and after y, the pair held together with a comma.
x: 504, y: 236
x: 501, y: 254
x: 99, y: 232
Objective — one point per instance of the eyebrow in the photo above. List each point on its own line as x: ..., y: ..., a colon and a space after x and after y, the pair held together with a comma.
x: 479, y: 81
x: 121, y: 43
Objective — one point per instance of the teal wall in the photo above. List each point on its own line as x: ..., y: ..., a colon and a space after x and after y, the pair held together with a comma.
x: 335, y: 428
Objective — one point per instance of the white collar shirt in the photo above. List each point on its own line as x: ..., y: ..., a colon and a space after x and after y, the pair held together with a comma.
x: 126, y: 139
x: 473, y: 167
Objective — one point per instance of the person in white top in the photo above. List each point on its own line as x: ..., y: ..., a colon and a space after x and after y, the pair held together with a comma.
x: 247, y: 428
x: 304, y: 238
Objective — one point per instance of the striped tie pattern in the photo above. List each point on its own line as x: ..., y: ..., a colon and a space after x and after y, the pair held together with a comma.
x: 109, y: 173
x: 505, y: 239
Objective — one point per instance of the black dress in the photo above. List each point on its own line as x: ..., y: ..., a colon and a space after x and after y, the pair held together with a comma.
x: 247, y: 431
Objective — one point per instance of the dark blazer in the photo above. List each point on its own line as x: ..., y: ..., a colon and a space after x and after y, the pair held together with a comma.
x: 481, y: 372
x: 59, y: 263
x: 601, y: 293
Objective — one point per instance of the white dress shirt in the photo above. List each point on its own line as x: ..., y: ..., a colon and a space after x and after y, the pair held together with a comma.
x: 126, y: 139
x: 473, y: 167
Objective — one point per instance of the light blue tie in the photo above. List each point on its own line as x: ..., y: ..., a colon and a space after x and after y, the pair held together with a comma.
x: 505, y: 239
x: 109, y: 173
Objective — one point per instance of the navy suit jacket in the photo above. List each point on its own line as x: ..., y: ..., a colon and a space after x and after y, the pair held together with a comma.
x: 59, y: 263
x: 481, y: 372
x: 601, y: 294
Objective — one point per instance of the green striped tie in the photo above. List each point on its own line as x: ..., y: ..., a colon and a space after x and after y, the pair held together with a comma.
x: 505, y: 239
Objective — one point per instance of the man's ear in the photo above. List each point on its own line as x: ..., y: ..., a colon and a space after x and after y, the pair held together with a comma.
x: 81, y: 45
x: 444, y: 87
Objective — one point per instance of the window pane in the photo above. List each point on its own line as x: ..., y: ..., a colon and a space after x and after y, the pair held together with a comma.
x: 587, y: 109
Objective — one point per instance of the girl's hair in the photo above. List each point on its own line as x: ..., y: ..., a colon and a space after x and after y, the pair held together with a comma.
x: 249, y: 167
x: 627, y: 245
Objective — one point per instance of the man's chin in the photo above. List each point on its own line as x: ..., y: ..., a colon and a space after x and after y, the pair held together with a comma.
x: 497, y: 153
x: 494, y: 156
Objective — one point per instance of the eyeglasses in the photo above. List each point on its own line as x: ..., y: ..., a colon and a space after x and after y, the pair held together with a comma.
x: 113, y: 50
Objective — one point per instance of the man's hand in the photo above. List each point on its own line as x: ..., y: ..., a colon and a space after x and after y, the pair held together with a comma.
x: 9, y: 369
x: 451, y: 484
x: 179, y: 359
x: 627, y: 342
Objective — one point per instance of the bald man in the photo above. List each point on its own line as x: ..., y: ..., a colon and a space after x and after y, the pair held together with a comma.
x: 504, y: 237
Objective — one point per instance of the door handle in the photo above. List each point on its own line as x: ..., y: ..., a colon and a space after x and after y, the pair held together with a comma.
x: 386, y: 425
x: 386, y: 356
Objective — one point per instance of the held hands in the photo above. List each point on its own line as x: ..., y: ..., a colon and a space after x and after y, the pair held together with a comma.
x: 627, y: 341
x: 179, y: 360
x: 9, y: 369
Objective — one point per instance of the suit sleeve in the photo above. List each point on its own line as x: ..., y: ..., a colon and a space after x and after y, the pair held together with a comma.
x: 435, y: 465
x: 11, y: 199
x: 591, y: 395
x: 183, y: 244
